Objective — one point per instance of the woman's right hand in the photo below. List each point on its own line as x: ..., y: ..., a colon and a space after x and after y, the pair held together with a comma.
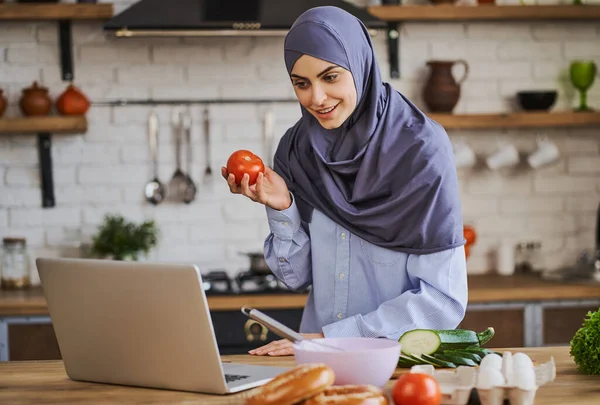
x: 270, y: 188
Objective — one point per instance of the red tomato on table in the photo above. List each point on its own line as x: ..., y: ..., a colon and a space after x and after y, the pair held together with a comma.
x: 416, y: 389
x: 243, y: 161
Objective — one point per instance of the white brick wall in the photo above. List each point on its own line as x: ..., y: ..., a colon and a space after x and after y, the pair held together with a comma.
x: 104, y: 170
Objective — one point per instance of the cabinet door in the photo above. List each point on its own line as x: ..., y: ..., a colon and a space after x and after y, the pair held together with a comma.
x: 32, y: 342
x: 561, y: 323
x: 507, y: 323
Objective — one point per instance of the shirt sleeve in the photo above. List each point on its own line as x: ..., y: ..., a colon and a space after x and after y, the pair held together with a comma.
x: 287, y: 248
x: 437, y: 300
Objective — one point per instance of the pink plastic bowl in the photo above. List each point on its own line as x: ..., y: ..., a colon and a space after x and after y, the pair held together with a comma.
x: 364, y: 361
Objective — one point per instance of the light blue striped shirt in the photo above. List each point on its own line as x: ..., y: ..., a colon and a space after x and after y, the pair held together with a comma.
x: 360, y: 289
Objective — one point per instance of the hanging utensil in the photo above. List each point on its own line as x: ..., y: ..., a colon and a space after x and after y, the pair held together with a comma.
x: 283, y: 331
x: 154, y: 190
x: 177, y: 182
x: 207, y: 170
x: 189, y: 191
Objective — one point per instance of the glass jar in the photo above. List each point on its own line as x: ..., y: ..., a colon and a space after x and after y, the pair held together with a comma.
x: 15, y: 264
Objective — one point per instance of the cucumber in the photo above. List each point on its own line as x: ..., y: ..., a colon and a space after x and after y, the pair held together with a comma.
x: 459, y: 361
x: 430, y: 341
x: 441, y: 363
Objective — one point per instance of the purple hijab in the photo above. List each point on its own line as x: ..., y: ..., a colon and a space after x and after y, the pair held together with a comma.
x: 387, y: 174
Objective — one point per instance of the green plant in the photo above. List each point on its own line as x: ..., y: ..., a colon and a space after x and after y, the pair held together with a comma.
x: 121, y: 239
x: 585, y: 345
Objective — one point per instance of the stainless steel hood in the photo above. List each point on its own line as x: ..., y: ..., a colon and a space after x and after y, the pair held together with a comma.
x: 221, y: 17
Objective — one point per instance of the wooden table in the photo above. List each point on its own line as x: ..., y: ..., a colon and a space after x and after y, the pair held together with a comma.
x: 482, y: 289
x: 27, y: 383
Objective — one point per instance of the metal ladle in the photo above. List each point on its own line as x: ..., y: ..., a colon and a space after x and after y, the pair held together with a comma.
x: 189, y: 187
x: 154, y: 189
x: 178, y: 178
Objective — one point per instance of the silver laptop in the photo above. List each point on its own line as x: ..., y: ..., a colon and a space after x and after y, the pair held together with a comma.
x: 139, y: 324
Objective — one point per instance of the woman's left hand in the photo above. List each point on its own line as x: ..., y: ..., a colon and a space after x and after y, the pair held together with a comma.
x: 281, y: 347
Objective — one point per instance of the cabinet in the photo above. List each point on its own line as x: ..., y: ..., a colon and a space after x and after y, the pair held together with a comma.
x: 560, y: 322
x: 28, y: 338
x: 508, y: 323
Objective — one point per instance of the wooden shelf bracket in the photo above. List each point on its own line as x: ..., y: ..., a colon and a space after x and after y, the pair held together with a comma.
x: 65, y: 44
x: 393, y: 42
x: 45, y: 162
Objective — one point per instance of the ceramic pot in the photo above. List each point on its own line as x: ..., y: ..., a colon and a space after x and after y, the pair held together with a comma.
x: 442, y: 91
x: 35, y: 101
x: 3, y: 101
x: 72, y: 102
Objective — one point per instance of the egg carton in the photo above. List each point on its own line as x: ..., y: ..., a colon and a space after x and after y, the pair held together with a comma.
x: 457, y: 385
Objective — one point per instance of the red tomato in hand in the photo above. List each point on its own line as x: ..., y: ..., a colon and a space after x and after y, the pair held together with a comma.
x: 244, y: 161
x: 417, y: 389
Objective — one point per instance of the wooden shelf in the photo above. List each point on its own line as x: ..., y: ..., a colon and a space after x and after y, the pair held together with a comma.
x: 517, y: 120
x: 58, y: 11
x: 36, y: 125
x: 484, y: 13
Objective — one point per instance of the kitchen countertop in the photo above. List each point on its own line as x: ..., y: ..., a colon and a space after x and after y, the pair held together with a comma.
x: 33, y: 382
x: 482, y: 288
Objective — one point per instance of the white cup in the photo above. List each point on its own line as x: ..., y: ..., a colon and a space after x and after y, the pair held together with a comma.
x: 505, y: 156
x: 463, y: 155
x: 546, y: 153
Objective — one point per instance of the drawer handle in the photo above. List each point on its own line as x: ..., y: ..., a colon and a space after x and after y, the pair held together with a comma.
x: 255, y: 331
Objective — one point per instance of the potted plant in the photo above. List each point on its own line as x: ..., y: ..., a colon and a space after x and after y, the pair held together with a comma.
x: 119, y: 239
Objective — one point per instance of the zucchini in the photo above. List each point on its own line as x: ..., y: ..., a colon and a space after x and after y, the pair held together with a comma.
x: 452, y: 358
x: 473, y: 356
x: 421, y: 360
x: 441, y: 363
x: 409, y: 361
x: 430, y: 341
x: 481, y: 351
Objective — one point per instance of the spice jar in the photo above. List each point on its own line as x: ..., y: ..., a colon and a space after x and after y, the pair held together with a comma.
x: 15, y: 264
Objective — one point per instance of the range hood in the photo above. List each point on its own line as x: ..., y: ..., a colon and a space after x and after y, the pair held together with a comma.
x: 221, y: 17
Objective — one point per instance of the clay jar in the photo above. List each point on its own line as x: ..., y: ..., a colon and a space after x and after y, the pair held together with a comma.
x: 72, y: 102
x: 2, y: 100
x: 442, y: 91
x: 35, y: 101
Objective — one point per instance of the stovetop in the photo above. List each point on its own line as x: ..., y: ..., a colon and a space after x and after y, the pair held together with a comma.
x: 218, y: 282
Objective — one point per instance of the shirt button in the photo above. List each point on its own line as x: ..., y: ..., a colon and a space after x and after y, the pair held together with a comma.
x: 340, y: 316
x: 342, y: 275
x: 282, y: 259
x: 343, y: 235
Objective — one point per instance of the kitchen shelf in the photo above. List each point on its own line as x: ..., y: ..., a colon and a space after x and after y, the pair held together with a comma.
x: 44, y: 127
x: 446, y: 12
x: 517, y: 120
x: 396, y: 14
x: 58, y: 11
x: 35, y: 125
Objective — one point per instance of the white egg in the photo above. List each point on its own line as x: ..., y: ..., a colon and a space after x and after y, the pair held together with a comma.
x: 491, y: 360
x: 522, y: 360
x: 525, y: 378
x: 489, y: 377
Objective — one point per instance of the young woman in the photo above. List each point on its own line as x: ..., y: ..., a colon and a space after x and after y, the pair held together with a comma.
x: 363, y: 201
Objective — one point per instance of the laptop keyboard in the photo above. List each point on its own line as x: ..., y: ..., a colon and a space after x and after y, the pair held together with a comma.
x: 234, y: 377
